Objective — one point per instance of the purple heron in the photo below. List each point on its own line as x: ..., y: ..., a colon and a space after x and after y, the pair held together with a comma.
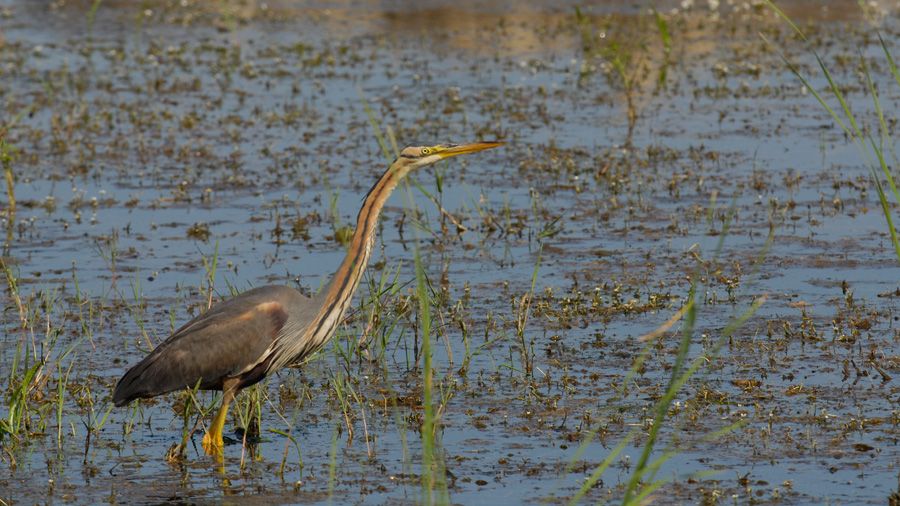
x: 237, y: 342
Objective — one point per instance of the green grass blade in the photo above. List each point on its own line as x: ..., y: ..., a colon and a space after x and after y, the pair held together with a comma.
x: 809, y: 87
x: 878, y: 149
x: 890, y: 58
x: 373, y: 122
x: 598, y: 472
x: 662, y: 405
x: 836, y: 91
x: 663, y: 26
x: 428, y: 429
x: 786, y: 18
x: 332, y: 463
x: 886, y: 209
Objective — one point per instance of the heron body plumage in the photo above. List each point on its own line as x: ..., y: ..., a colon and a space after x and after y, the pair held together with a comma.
x: 217, y: 346
x: 237, y: 342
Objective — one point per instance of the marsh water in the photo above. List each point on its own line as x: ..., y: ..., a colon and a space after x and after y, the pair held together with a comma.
x: 164, y: 155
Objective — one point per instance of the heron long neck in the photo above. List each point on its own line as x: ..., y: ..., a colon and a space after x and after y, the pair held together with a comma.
x: 352, y: 268
x: 301, y: 338
x: 335, y: 299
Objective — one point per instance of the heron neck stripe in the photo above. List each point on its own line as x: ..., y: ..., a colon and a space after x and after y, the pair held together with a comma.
x: 357, y: 258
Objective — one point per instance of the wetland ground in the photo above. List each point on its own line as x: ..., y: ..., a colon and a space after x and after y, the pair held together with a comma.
x: 161, y: 155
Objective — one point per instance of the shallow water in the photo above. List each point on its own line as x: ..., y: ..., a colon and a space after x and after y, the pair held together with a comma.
x: 160, y: 135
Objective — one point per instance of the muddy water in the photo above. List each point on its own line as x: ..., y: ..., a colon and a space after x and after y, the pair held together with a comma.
x: 152, y: 142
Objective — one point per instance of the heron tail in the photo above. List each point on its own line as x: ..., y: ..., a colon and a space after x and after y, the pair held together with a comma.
x: 141, y: 381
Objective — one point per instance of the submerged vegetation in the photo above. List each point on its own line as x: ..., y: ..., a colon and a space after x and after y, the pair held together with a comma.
x: 673, y: 284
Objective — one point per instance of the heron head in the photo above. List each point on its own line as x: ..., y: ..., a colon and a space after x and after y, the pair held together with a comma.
x: 413, y: 157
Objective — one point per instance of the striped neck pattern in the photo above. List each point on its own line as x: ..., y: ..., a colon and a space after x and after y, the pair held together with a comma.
x: 336, y: 298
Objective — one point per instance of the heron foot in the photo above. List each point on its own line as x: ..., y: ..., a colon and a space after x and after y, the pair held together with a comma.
x: 212, y: 440
x: 213, y: 443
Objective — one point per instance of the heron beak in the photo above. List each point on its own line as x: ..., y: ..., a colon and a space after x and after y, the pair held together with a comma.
x: 463, y: 149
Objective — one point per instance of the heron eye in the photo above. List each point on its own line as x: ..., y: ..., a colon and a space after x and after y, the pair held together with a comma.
x: 425, y: 151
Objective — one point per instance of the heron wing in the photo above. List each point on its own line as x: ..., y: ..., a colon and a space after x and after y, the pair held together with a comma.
x: 231, y: 340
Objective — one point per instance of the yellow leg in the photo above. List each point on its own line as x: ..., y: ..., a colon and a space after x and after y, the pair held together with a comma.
x: 212, y: 440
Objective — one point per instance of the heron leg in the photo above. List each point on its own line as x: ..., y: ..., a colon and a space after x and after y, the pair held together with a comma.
x: 212, y: 440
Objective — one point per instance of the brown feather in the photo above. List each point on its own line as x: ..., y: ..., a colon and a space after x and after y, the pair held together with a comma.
x: 228, y: 341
